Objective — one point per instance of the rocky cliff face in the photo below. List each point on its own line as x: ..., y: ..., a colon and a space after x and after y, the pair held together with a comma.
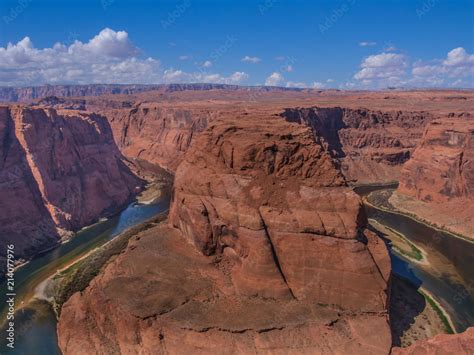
x: 370, y: 145
x: 58, y: 171
x: 437, y: 183
x: 460, y: 344
x: 441, y: 167
x: 159, y: 135
x: 266, y: 250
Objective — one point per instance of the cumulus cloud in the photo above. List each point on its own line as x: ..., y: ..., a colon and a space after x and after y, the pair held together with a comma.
x: 179, y: 76
x: 384, y: 68
x: 253, y: 60
x: 458, y: 57
x: 367, y: 44
x: 109, y: 43
x: 292, y: 84
x: 457, y: 65
x: 387, y: 69
x: 275, y: 79
x: 109, y: 57
x: 318, y: 85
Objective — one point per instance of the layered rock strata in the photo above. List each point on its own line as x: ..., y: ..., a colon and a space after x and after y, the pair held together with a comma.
x: 437, y: 183
x: 58, y: 171
x: 159, y: 135
x: 370, y: 145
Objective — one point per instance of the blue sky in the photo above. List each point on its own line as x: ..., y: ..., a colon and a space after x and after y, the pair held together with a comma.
x: 341, y: 44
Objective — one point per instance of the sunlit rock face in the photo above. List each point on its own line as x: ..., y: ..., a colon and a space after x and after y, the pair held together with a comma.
x: 265, y: 250
x: 441, y: 167
x: 437, y: 183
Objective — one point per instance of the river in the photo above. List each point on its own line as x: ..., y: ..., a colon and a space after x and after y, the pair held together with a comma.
x: 449, y: 276
x: 35, y: 323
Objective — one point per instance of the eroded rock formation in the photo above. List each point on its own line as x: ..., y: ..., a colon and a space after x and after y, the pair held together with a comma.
x: 265, y: 251
x: 459, y: 344
x: 159, y: 135
x: 370, y: 145
x: 58, y: 171
x: 437, y: 183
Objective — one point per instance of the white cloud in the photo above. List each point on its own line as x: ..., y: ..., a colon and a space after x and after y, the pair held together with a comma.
x: 179, y: 76
x: 107, y: 42
x: 390, y: 49
x: 289, y: 68
x: 330, y: 80
x: 318, y: 85
x: 392, y: 69
x: 292, y: 84
x: 275, y: 79
x: 238, y: 77
x: 184, y: 57
x: 382, y: 69
x: 457, y: 65
x: 367, y: 44
x: 207, y: 64
x: 109, y: 57
x: 459, y: 57
x: 253, y: 60
x: 280, y: 58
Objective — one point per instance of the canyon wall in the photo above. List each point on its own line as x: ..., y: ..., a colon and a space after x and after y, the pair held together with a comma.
x: 265, y: 251
x: 368, y: 146
x: 59, y: 171
x: 159, y: 135
x: 371, y: 146
x: 437, y: 183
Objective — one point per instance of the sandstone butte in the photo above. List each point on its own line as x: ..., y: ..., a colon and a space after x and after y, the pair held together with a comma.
x: 437, y: 183
x: 272, y: 254
x: 59, y: 171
